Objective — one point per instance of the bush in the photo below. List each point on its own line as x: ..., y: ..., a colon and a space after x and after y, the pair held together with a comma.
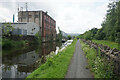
x: 37, y: 39
x: 8, y: 44
x: 97, y: 64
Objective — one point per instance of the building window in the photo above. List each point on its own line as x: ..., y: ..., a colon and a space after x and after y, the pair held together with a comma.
x: 30, y: 16
x: 36, y: 16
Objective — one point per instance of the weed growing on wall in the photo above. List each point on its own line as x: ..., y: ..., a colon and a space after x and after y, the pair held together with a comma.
x: 97, y: 64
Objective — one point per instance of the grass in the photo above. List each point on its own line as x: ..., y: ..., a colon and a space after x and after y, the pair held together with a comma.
x: 57, y: 66
x: 108, y: 43
x: 97, y: 64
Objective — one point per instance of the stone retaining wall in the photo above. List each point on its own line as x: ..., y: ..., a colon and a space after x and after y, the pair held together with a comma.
x: 109, y: 53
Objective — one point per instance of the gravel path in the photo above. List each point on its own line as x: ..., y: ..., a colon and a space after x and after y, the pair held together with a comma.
x: 77, y: 67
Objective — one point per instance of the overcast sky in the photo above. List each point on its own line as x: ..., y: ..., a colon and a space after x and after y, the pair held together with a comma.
x: 72, y: 16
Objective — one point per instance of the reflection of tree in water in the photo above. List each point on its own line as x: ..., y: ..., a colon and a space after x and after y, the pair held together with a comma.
x: 27, y: 68
x: 26, y: 60
x: 16, y: 52
x: 46, y: 49
x: 59, y: 44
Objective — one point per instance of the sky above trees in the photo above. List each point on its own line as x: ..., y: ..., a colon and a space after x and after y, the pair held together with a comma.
x: 72, y: 16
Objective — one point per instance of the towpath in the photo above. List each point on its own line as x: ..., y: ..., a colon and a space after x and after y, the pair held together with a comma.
x: 78, y: 65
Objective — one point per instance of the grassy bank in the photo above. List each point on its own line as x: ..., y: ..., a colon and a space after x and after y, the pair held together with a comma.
x: 98, y: 65
x: 8, y: 43
x: 108, y: 43
x: 55, y: 67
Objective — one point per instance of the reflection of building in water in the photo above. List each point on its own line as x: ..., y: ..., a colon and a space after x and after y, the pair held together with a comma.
x: 27, y: 59
x: 48, y: 47
x: 27, y: 68
x: 26, y: 62
x: 30, y: 58
x: 12, y: 72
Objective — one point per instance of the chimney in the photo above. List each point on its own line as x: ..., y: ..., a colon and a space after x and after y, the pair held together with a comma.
x: 13, y: 18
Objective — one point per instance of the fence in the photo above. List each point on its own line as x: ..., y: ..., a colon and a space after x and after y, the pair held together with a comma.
x: 109, y: 53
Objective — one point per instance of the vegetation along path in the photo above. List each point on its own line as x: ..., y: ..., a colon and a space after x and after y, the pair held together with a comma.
x: 78, y: 65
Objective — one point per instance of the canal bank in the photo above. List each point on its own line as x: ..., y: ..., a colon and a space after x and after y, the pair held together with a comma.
x: 56, y: 66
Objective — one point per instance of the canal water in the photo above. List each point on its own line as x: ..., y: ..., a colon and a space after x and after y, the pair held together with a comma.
x: 20, y: 63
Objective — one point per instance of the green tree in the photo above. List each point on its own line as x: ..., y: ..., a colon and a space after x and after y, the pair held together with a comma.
x: 59, y: 35
x: 7, y: 29
x: 69, y: 37
x: 37, y: 38
x: 110, y: 26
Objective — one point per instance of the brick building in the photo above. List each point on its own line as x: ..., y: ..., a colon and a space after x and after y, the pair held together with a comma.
x: 46, y: 23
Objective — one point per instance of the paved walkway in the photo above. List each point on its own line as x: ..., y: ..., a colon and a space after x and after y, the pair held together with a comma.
x: 77, y: 67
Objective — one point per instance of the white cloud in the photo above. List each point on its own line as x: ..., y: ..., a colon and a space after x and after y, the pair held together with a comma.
x: 4, y: 16
x: 70, y: 15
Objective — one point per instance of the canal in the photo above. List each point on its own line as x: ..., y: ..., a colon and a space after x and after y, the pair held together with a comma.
x: 19, y: 63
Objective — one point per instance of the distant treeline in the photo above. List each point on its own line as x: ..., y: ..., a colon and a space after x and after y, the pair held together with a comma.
x: 110, y: 26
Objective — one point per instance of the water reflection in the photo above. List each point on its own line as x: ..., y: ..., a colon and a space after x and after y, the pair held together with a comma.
x: 20, y: 63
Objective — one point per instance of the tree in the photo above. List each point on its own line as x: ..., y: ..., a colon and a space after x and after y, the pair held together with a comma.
x: 59, y: 35
x: 7, y: 29
x: 110, y: 27
x: 69, y: 37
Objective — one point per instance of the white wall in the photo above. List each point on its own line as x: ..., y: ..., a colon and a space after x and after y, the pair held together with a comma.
x: 31, y: 28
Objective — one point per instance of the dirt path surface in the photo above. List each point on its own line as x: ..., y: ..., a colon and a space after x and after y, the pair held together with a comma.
x: 77, y: 67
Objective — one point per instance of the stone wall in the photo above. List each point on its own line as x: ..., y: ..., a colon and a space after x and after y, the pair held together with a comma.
x: 107, y: 52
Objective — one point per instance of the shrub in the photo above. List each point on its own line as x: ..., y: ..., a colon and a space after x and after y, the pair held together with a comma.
x: 97, y: 64
x: 8, y: 44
